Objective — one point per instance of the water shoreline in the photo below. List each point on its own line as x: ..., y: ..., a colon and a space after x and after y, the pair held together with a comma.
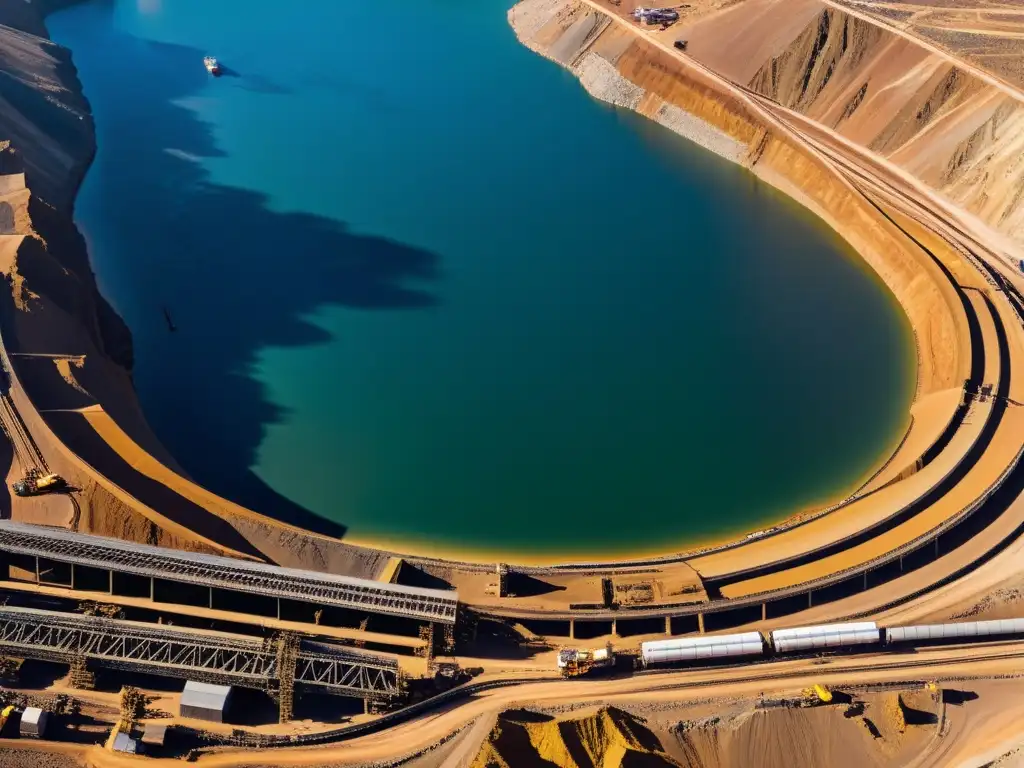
x: 728, y: 146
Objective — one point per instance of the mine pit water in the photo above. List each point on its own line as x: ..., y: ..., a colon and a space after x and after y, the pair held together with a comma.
x: 428, y: 289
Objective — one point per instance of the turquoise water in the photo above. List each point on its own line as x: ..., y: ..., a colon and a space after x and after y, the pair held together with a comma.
x: 428, y: 290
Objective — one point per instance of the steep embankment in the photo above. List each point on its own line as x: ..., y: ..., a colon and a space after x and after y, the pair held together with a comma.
x: 936, y: 120
x: 790, y: 51
x: 873, y: 87
x: 53, y: 305
x: 945, y: 122
x: 69, y: 353
x: 633, y: 72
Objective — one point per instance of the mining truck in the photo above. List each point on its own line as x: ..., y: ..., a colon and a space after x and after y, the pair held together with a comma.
x: 651, y: 16
x: 573, y: 662
x: 35, y: 483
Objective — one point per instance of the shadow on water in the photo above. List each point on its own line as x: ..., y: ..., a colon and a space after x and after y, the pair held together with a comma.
x: 252, y: 82
x: 226, y: 71
x: 236, y: 275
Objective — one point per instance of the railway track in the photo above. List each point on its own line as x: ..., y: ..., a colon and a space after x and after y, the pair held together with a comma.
x: 839, y: 670
x: 25, y: 449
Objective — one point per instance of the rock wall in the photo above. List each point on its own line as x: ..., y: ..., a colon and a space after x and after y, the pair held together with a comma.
x: 934, y: 117
x: 71, y: 354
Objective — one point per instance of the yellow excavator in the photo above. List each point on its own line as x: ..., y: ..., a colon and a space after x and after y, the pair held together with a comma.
x: 5, y: 715
x: 817, y: 694
x: 34, y: 484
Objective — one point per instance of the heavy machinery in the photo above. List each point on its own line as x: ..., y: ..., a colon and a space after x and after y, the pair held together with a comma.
x: 35, y: 483
x: 5, y: 715
x: 817, y: 694
x: 573, y: 662
x: 652, y: 16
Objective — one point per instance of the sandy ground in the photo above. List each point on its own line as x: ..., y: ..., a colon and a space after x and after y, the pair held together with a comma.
x: 691, y: 696
x: 191, y: 517
x: 608, y: 55
x: 865, y: 112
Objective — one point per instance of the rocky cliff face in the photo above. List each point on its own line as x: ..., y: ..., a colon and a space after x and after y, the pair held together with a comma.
x: 73, y: 386
x: 882, y: 81
x: 46, y: 133
x: 944, y: 124
x: 53, y: 308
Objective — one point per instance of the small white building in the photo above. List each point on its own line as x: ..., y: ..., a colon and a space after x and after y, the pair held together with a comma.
x: 33, y: 723
x: 205, y: 701
x: 125, y: 743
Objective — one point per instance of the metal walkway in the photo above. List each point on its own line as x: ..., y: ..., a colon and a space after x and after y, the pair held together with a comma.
x: 212, y: 657
x: 226, y: 573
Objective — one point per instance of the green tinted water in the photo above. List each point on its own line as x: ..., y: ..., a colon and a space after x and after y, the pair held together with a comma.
x: 428, y: 289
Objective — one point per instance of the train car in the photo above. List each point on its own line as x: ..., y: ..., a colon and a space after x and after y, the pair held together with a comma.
x: 825, y: 636
x: 698, y: 648
x: 962, y: 629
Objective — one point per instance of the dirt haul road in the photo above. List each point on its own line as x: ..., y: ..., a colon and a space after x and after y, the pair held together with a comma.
x: 675, y: 687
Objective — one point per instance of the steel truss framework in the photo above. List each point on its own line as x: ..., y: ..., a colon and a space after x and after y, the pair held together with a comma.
x: 211, y: 657
x: 226, y: 573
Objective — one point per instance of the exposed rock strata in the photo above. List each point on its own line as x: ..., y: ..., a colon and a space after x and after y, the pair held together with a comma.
x: 930, y: 115
x: 876, y: 88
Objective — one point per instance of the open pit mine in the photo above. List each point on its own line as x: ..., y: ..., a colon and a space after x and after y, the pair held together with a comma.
x: 145, y: 618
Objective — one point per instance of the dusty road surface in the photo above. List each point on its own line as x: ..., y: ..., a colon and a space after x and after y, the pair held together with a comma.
x: 952, y: 667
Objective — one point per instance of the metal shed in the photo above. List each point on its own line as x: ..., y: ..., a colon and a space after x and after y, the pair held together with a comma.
x: 34, y: 722
x: 955, y: 630
x: 154, y: 735
x: 825, y: 636
x: 692, y: 649
x: 205, y: 701
x: 125, y: 743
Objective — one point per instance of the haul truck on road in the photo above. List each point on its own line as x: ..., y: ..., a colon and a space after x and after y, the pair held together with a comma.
x: 652, y: 16
x: 573, y: 662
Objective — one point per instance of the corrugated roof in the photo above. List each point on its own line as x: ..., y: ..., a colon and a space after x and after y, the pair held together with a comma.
x: 205, y: 695
x: 227, y: 573
x: 125, y: 743
x: 155, y: 733
x: 32, y: 715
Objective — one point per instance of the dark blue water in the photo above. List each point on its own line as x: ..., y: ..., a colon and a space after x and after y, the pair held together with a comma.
x: 428, y: 290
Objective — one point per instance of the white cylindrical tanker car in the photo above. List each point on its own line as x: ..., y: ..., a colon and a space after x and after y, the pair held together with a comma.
x: 825, y: 636
x: 963, y: 629
x: 698, y: 648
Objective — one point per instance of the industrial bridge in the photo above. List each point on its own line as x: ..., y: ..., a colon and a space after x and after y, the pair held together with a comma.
x: 100, y: 553
x: 204, y: 656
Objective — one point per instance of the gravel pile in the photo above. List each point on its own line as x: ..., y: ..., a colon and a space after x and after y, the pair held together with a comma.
x: 603, y: 81
x: 699, y: 132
